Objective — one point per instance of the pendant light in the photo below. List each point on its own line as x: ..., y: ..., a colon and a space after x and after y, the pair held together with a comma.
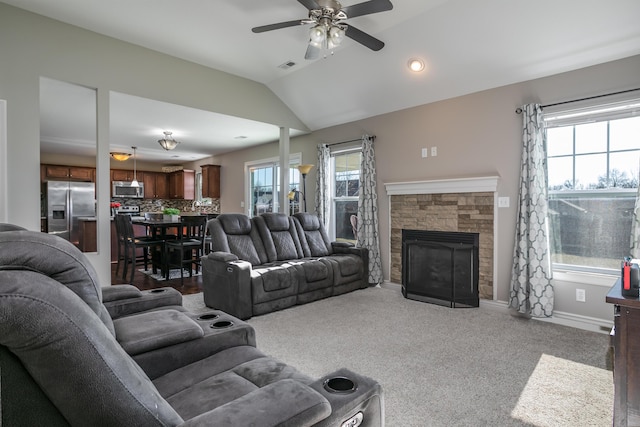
x: 134, y: 183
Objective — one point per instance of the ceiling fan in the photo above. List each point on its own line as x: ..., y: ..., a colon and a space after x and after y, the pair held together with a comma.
x: 329, y: 27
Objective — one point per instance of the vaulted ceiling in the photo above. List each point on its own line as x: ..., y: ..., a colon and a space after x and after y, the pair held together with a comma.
x: 467, y: 45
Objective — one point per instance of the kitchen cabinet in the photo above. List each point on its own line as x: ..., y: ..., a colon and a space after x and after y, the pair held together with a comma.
x: 75, y: 173
x: 182, y: 184
x: 156, y: 185
x: 626, y: 364
x: 125, y: 175
x: 211, y: 181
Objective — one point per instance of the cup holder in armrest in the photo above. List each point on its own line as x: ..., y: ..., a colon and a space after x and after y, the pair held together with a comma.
x: 221, y: 324
x: 341, y: 385
x: 208, y: 316
x: 157, y: 291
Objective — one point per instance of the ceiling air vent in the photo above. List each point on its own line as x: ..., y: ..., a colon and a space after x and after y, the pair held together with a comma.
x: 287, y: 65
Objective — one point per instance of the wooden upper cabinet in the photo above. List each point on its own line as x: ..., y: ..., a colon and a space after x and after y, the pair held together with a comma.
x: 125, y: 175
x: 75, y: 173
x: 211, y: 181
x: 182, y: 184
x: 156, y: 185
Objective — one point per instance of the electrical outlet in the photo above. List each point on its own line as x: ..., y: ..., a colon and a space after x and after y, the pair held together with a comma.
x: 434, y: 151
x: 425, y: 153
x: 581, y: 295
x: 503, y: 202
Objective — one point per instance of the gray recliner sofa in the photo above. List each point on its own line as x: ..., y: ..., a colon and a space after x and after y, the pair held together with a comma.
x: 274, y: 261
x: 63, y: 359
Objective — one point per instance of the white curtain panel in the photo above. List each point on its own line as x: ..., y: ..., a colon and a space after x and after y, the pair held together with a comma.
x: 323, y: 202
x: 531, y: 289
x: 368, y: 236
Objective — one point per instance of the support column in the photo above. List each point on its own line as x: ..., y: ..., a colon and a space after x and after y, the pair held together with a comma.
x: 284, y: 171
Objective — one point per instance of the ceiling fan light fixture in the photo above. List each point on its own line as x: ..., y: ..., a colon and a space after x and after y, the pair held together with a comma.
x: 167, y: 142
x: 317, y: 35
x: 336, y: 35
x: 121, y: 157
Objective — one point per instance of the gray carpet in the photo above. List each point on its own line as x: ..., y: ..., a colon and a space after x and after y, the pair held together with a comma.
x: 447, y: 367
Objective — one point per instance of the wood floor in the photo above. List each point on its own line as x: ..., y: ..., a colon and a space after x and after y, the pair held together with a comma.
x: 190, y: 285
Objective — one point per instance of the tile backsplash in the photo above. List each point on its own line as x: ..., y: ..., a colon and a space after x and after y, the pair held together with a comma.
x: 157, y: 205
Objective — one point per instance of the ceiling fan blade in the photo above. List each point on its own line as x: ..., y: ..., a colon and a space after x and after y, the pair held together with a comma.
x: 312, y: 52
x: 363, y: 38
x: 367, y: 7
x: 309, y: 4
x: 279, y: 25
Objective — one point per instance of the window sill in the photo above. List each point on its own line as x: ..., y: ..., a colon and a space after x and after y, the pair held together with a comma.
x: 585, y: 278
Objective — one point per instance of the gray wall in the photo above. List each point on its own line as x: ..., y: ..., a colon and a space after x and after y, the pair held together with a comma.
x: 477, y: 134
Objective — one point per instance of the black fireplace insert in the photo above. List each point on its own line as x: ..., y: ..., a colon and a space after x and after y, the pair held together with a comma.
x: 441, y: 267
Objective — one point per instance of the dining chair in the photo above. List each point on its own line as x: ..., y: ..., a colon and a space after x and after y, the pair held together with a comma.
x: 133, y: 242
x: 206, y: 244
x: 187, y: 249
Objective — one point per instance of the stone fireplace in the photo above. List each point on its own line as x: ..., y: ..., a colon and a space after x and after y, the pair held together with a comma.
x: 466, y: 205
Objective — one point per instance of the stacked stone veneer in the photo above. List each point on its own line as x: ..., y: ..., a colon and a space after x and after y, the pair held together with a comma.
x: 463, y: 212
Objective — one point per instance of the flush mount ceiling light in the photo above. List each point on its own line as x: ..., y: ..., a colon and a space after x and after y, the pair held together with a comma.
x: 167, y: 142
x: 416, y: 65
x: 121, y: 157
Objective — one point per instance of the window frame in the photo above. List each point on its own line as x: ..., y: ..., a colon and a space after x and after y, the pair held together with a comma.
x: 332, y: 223
x: 604, y: 112
x: 295, y: 159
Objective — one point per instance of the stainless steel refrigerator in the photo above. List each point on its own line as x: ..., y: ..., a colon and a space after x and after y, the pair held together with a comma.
x: 66, y: 203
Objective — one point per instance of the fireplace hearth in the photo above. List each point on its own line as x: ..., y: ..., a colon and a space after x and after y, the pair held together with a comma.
x: 440, y: 267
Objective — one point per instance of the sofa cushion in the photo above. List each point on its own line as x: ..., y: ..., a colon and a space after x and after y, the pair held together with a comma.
x: 57, y: 258
x: 279, y: 236
x: 72, y: 356
x: 313, y: 237
x: 234, y: 233
x: 144, y: 332
x: 274, y: 277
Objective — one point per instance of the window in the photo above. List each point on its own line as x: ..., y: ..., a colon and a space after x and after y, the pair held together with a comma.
x: 345, y: 191
x: 593, y: 165
x: 263, y: 178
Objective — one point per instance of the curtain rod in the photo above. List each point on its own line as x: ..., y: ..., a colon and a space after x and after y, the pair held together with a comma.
x: 519, y: 110
x: 373, y: 137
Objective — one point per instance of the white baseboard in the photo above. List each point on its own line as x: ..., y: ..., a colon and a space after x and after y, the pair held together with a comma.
x: 559, y: 318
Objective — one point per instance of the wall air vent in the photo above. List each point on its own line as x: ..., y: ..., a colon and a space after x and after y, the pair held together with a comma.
x: 287, y: 65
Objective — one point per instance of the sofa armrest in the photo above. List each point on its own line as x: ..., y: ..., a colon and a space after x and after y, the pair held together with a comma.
x: 222, y: 256
x: 283, y: 403
x: 226, y: 283
x: 124, y: 300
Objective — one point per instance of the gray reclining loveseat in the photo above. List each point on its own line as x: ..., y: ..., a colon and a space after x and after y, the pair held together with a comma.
x: 64, y: 360
x: 274, y: 261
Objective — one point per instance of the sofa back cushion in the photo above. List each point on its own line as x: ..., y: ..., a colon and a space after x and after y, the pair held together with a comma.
x: 279, y: 235
x: 313, y: 237
x: 234, y: 233
x: 72, y: 356
x: 57, y: 258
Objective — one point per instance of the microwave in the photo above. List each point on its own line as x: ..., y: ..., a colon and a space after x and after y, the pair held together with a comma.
x: 124, y: 189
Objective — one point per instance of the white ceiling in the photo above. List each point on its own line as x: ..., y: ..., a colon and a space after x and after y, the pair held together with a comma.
x: 468, y: 46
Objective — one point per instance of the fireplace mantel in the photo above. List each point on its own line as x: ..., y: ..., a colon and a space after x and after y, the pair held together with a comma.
x: 444, y: 186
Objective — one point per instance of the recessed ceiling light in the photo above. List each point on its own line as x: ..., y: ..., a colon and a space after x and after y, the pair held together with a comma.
x: 416, y: 65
